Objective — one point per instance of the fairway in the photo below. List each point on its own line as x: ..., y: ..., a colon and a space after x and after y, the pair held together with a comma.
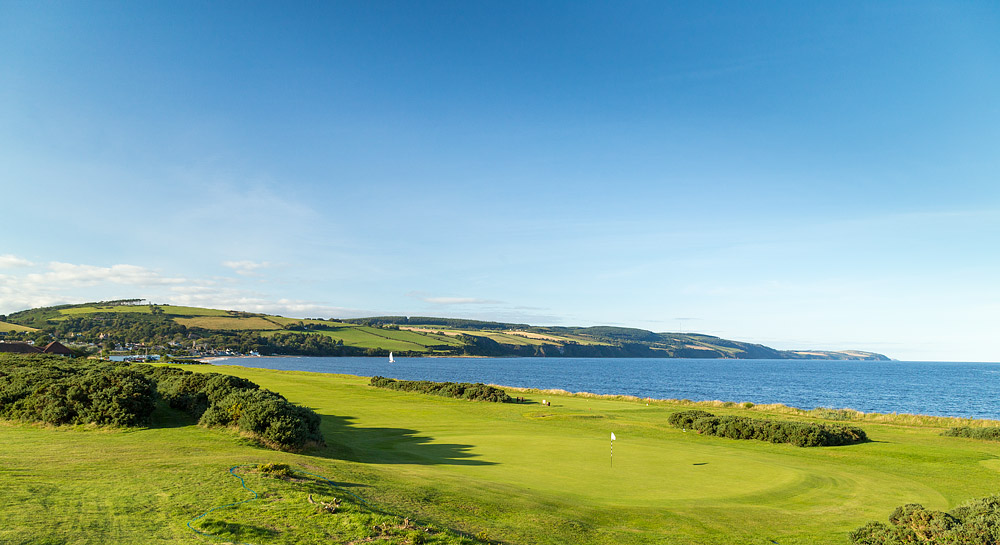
x: 521, y: 473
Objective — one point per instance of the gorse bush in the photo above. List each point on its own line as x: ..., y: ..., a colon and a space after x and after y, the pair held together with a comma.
x: 974, y: 523
x: 193, y: 393
x: 58, y: 391
x: 684, y: 419
x: 460, y: 390
x: 266, y: 416
x: 54, y: 390
x: 802, y: 434
x: 988, y: 434
x: 228, y: 401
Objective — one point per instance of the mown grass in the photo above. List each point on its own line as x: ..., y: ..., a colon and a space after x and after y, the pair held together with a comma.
x: 521, y: 473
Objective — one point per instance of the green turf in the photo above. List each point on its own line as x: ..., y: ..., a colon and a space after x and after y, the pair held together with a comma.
x: 522, y: 473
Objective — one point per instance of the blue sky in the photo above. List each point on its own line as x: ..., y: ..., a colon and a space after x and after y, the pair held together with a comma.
x: 797, y: 174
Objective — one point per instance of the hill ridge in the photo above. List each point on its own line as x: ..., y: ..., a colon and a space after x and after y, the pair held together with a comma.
x: 131, y: 324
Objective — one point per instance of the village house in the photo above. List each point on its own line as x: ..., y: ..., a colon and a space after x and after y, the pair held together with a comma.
x: 53, y: 347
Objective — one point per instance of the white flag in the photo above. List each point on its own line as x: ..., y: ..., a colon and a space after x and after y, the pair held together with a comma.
x: 613, y: 436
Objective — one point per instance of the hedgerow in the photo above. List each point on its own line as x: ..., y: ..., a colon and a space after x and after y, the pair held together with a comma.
x: 801, y: 434
x: 988, y: 434
x: 460, y: 390
x: 973, y: 523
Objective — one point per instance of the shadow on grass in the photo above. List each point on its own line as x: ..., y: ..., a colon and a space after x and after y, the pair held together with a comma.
x: 346, y: 441
x: 166, y: 417
x: 227, y: 530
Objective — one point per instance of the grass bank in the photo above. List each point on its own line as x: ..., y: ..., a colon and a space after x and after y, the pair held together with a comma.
x: 516, y: 473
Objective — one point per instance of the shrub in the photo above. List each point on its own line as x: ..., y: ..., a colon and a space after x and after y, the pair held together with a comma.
x: 974, y: 523
x: 275, y: 470
x: 802, y: 434
x: 460, y: 390
x: 987, y: 434
x: 57, y: 391
x: 684, y: 419
x: 267, y: 416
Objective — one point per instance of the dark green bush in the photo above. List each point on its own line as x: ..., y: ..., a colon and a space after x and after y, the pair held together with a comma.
x: 228, y: 401
x: 802, y: 434
x: 974, y: 523
x: 988, y: 434
x: 460, y: 390
x: 267, y: 416
x: 59, y: 391
x: 684, y: 419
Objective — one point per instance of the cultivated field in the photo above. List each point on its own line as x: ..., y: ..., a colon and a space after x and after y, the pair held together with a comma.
x: 5, y: 327
x: 517, y: 473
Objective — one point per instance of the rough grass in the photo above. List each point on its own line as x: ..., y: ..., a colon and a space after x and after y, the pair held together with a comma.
x: 520, y: 473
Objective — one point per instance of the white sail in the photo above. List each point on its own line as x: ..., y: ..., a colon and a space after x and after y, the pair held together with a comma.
x: 390, y: 358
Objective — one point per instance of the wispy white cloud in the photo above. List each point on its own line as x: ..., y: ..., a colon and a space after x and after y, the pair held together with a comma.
x: 60, y: 283
x: 236, y: 299
x: 443, y: 300
x: 73, y: 275
x: 10, y: 261
x: 460, y: 301
x: 246, y: 267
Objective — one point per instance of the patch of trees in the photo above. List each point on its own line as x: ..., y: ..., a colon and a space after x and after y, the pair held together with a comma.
x: 460, y: 390
x: 974, y: 523
x: 54, y: 390
x: 226, y: 401
x: 987, y: 434
x: 800, y: 434
x: 305, y: 344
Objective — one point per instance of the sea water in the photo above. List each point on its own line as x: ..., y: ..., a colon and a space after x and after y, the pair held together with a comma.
x: 933, y: 388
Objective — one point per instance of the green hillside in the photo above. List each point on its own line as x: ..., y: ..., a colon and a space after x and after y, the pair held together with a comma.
x: 134, y: 324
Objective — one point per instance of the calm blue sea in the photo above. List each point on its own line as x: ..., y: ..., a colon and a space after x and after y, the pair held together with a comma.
x: 934, y: 388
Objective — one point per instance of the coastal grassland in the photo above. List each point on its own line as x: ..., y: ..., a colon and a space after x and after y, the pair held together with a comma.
x: 521, y: 473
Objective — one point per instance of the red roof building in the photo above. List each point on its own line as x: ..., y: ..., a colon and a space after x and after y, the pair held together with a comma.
x: 19, y: 348
x: 55, y: 347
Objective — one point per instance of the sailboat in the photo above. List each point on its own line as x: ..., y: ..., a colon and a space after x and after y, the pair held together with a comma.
x: 390, y: 358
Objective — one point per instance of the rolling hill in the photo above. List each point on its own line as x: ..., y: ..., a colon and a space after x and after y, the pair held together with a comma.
x: 133, y: 324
